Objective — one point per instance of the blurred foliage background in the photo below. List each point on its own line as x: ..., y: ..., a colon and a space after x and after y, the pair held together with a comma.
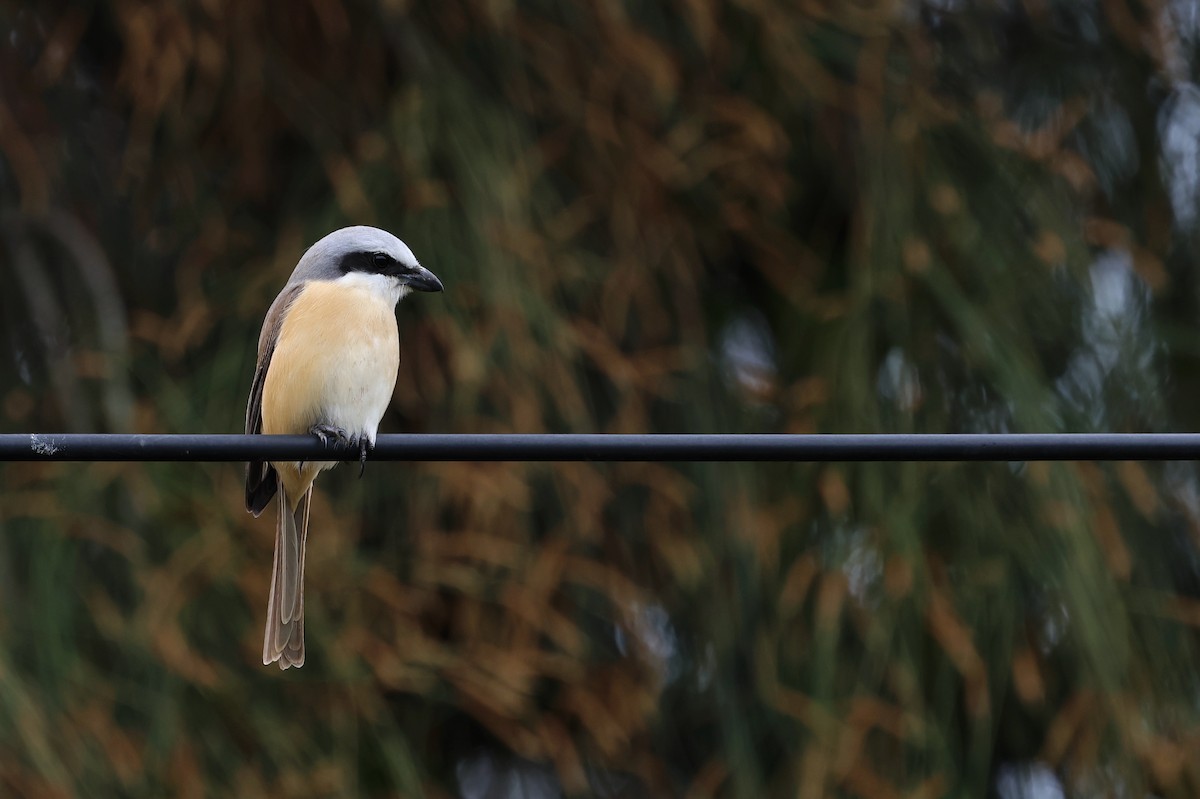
x: 693, y: 216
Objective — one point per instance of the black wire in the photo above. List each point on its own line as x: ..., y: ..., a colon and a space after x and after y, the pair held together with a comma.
x: 604, y: 447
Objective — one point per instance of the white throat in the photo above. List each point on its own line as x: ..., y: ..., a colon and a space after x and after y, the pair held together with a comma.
x: 389, y: 289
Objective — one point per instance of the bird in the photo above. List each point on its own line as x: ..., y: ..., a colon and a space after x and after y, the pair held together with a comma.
x: 328, y: 356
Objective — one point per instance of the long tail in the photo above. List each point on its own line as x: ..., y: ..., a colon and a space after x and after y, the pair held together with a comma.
x: 284, y: 637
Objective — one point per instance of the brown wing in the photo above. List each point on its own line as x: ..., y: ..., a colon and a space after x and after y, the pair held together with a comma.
x: 261, y: 480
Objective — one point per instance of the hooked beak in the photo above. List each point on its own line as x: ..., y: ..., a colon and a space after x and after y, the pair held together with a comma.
x: 419, y: 278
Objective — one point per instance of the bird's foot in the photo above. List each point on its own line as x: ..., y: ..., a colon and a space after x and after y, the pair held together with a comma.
x: 328, y: 431
x: 364, y: 444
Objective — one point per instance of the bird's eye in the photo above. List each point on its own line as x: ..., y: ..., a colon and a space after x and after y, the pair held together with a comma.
x: 381, y: 260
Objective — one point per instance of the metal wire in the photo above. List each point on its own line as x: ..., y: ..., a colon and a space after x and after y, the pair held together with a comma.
x: 604, y: 447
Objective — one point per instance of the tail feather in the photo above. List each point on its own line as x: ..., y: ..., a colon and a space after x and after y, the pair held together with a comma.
x: 283, y: 640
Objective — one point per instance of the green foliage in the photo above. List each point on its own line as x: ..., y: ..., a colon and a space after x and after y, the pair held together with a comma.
x: 767, y: 217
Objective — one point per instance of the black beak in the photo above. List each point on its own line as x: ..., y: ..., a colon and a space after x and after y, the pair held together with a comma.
x: 418, y: 278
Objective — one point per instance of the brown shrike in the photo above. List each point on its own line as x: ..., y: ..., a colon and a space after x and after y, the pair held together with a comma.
x: 327, y: 361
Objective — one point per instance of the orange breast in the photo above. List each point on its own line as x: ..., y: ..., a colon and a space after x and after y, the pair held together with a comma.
x: 335, y: 362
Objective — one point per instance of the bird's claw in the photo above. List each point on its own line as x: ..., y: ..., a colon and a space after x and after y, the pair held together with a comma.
x: 328, y: 431
x: 325, y: 432
x: 364, y: 444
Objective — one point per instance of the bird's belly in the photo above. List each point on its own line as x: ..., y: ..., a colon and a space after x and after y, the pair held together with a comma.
x: 360, y: 387
x: 334, y: 364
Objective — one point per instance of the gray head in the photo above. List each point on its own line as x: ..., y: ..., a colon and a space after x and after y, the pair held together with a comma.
x: 368, y: 254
